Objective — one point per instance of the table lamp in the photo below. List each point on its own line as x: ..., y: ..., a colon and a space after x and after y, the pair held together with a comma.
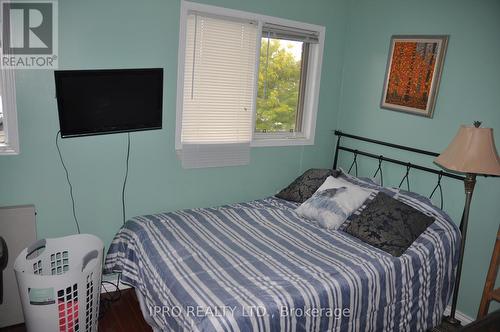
x: 471, y: 152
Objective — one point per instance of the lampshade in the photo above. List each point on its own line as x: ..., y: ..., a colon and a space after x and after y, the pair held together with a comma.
x: 471, y: 151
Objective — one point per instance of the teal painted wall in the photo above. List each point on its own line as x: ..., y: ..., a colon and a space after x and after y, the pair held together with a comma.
x: 469, y: 91
x: 128, y: 34
x: 120, y: 34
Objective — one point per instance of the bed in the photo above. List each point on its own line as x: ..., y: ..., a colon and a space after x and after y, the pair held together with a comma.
x: 258, y: 266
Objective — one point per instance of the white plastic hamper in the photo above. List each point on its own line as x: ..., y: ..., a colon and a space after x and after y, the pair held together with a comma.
x: 59, y: 283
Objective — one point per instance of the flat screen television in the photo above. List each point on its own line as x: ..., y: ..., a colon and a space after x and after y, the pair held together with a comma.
x: 92, y: 102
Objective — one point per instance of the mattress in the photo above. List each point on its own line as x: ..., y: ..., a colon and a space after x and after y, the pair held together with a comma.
x: 258, y: 266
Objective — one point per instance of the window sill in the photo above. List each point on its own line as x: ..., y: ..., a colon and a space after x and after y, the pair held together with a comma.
x: 262, y: 142
x: 6, y: 150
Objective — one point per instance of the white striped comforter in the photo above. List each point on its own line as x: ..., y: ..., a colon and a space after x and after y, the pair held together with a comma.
x: 257, y: 266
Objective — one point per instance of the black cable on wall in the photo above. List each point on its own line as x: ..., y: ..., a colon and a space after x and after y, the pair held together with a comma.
x: 126, y: 176
x: 58, y: 135
x: 127, y: 159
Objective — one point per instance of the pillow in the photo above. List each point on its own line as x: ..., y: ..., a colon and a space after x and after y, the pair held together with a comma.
x: 305, y: 185
x: 333, y: 202
x: 388, y: 224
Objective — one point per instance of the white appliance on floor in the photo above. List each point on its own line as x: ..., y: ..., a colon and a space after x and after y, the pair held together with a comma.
x: 18, y: 229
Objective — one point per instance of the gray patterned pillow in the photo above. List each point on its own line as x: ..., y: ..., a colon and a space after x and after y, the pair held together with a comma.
x: 388, y: 224
x: 303, y: 187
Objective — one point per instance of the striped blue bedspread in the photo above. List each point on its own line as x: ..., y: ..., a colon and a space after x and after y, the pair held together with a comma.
x: 257, y: 266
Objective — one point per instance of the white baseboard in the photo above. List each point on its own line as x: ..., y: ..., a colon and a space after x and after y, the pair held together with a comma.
x: 463, y: 318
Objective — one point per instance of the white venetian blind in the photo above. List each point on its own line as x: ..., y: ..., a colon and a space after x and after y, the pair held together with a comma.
x: 282, y: 32
x: 218, y: 91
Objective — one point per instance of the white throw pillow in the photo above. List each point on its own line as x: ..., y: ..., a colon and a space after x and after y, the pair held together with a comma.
x: 334, y: 201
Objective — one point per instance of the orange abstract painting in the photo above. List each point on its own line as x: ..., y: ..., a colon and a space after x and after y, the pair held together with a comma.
x: 413, y: 74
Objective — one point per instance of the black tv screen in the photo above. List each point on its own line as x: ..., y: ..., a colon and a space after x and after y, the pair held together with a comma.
x: 92, y: 102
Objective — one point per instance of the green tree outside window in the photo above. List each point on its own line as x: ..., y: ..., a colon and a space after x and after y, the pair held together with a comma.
x: 278, y: 86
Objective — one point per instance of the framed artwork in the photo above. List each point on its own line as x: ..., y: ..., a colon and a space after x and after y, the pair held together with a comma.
x: 413, y: 73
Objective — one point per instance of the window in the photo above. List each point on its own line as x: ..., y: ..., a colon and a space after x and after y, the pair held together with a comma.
x: 279, y: 107
x: 9, y: 143
x: 2, y: 133
x: 243, y: 80
x: 284, y: 57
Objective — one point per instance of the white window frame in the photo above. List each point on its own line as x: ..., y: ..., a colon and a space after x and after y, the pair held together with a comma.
x: 306, y: 136
x: 10, y: 129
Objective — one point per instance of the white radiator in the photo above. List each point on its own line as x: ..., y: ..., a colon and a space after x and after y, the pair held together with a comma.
x: 18, y: 229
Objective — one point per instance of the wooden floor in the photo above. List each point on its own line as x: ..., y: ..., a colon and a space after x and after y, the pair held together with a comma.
x: 125, y: 315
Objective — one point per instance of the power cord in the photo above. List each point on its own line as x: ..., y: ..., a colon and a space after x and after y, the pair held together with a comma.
x: 126, y: 176
x: 107, y: 299
x: 69, y: 182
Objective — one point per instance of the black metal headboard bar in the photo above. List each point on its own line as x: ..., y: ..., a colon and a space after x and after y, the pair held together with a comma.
x: 399, y: 162
x: 391, y: 160
x: 392, y: 145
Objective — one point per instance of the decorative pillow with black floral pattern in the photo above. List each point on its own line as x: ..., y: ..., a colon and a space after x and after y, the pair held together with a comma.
x: 303, y: 187
x: 388, y: 224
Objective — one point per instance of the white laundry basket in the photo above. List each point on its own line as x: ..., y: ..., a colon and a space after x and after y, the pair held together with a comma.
x: 59, y: 283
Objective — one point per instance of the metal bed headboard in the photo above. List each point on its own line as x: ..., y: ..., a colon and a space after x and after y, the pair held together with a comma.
x: 381, y: 158
x: 467, y: 181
